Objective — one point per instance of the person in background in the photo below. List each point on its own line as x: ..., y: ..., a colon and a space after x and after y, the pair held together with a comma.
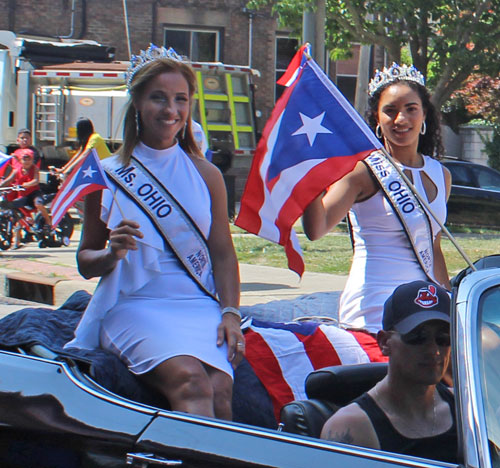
x: 167, y: 303
x: 23, y: 141
x: 201, y: 139
x: 27, y: 176
x: 395, y: 239
x: 87, y: 139
x: 410, y: 411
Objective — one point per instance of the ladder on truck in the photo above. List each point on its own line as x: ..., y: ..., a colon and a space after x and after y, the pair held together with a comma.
x: 48, y: 115
x: 224, y: 105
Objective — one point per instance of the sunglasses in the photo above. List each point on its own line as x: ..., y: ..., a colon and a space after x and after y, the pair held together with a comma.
x: 421, y: 337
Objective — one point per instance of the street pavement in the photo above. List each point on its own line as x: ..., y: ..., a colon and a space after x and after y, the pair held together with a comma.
x: 57, y: 266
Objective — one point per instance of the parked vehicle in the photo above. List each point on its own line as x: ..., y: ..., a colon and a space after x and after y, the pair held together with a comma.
x: 475, y: 195
x: 51, y: 406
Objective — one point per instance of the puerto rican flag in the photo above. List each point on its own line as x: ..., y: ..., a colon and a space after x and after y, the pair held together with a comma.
x: 283, y: 354
x: 298, y: 61
x: 313, y: 138
x: 4, y: 159
x: 88, y: 176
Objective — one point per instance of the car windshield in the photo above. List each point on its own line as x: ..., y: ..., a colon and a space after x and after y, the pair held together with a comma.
x: 489, y: 317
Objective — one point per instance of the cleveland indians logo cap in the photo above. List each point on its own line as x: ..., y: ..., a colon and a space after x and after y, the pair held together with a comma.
x: 414, y: 303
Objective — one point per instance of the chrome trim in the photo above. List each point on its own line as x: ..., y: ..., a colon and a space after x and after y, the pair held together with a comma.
x: 306, y: 441
x: 470, y: 395
x: 146, y: 458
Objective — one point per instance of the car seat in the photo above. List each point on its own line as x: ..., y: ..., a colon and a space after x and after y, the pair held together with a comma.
x: 327, y: 390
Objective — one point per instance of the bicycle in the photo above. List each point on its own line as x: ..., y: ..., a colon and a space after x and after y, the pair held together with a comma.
x: 32, y: 224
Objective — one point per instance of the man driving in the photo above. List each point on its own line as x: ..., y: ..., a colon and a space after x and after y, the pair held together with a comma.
x: 410, y: 411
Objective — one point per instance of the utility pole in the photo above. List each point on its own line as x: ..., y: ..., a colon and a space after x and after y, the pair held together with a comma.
x: 313, y: 29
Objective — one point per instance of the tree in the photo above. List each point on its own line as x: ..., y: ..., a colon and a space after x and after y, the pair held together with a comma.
x: 447, y: 40
x: 481, y: 98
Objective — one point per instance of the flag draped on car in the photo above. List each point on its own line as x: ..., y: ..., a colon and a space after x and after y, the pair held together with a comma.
x: 283, y: 354
x: 88, y: 176
x: 313, y: 138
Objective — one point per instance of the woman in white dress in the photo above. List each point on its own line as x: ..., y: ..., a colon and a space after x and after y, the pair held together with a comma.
x: 179, y: 334
x: 403, y: 117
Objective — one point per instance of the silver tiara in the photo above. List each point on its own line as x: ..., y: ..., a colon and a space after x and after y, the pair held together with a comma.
x: 395, y: 72
x: 151, y: 54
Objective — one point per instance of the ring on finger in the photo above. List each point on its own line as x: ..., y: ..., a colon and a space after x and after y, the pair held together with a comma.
x: 240, y: 344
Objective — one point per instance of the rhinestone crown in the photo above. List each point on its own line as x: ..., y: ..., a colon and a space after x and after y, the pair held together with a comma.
x: 393, y: 73
x: 151, y: 54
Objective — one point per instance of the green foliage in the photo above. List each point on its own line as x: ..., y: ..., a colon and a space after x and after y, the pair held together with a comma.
x: 447, y: 39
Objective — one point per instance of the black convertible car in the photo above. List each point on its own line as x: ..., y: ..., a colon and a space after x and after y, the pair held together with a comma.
x: 53, y: 413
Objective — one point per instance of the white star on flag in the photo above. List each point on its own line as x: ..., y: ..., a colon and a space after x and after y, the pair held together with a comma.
x: 311, y: 127
x: 89, y: 172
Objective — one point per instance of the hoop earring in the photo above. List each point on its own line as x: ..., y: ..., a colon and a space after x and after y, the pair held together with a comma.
x: 424, y: 128
x: 137, y: 122
x: 378, y: 132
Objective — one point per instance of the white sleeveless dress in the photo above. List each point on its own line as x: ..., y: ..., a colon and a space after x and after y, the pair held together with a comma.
x: 157, y: 311
x: 383, y: 258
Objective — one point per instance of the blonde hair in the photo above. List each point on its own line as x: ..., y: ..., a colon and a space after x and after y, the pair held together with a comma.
x: 137, y: 86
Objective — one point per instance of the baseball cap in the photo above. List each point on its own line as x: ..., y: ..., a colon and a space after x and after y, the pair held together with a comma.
x: 24, y: 130
x: 414, y: 303
x: 25, y: 153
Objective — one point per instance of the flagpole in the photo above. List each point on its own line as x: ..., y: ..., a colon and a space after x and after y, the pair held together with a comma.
x: 428, y: 208
x: 113, y: 194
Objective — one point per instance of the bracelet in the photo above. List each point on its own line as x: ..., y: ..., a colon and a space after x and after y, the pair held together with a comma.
x: 230, y: 310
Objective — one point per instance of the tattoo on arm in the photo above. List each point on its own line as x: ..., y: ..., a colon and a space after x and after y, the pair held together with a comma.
x: 344, y: 437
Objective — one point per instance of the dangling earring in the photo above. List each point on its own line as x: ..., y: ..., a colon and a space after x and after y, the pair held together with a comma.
x: 424, y: 128
x: 378, y: 132
x: 137, y: 122
x: 184, y: 131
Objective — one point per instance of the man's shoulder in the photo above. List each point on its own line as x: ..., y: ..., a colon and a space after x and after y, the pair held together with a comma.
x: 350, y: 425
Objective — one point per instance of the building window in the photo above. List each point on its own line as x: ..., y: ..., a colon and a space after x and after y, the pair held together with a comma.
x: 199, y: 45
x: 285, y: 50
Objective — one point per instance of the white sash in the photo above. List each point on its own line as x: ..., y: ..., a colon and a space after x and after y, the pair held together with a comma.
x: 407, y: 207
x: 169, y: 218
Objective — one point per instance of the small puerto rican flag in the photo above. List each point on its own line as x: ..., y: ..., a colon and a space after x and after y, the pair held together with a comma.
x: 4, y: 159
x: 88, y: 176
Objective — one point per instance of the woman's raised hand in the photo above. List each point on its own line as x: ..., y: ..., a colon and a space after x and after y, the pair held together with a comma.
x: 123, y: 238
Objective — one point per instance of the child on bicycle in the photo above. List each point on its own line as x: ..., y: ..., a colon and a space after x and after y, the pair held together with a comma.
x: 27, y: 176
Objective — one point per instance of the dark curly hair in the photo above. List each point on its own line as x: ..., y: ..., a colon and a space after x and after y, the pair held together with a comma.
x: 429, y: 144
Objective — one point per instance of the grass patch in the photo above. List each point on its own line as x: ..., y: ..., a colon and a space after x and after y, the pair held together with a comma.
x: 333, y: 253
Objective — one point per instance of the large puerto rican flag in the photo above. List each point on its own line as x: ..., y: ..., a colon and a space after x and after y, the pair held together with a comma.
x: 313, y: 138
x: 282, y: 355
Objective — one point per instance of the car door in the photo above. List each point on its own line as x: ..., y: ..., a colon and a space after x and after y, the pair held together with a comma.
x: 477, y: 364
x: 195, y: 442
x: 465, y: 202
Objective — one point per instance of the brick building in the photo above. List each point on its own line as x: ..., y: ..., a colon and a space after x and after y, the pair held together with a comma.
x: 204, y: 30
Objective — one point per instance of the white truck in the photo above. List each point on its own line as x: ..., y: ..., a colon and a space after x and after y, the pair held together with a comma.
x: 47, y: 85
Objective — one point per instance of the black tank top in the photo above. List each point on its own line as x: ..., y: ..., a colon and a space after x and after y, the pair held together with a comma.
x: 441, y: 447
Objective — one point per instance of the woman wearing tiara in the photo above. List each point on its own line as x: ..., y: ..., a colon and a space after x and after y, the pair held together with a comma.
x: 167, y: 303
x: 386, y: 220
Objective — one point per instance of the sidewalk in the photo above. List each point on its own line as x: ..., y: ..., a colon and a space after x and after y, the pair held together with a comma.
x: 57, y: 266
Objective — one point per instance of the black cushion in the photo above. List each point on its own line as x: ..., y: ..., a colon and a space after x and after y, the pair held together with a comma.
x: 329, y: 389
x: 342, y: 384
x: 306, y: 417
